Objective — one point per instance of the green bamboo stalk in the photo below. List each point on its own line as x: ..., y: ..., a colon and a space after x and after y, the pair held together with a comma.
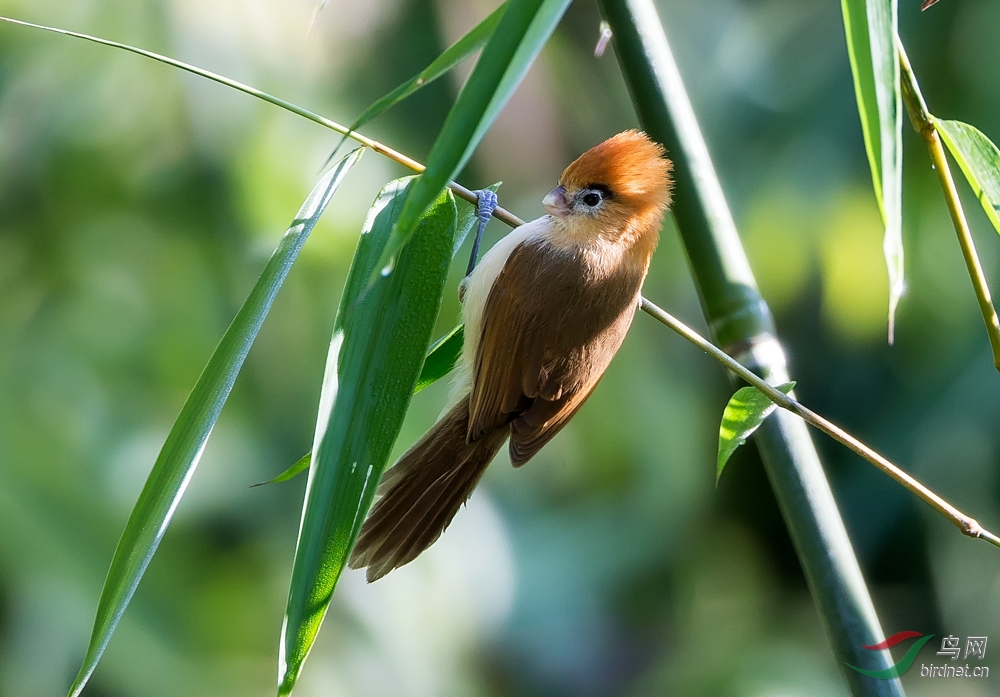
x: 740, y: 322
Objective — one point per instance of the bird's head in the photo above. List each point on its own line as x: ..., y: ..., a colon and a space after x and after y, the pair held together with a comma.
x: 621, y: 186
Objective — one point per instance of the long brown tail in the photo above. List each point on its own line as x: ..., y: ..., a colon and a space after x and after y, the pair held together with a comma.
x: 423, y: 491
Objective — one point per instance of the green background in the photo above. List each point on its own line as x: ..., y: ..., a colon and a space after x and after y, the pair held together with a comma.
x: 138, y: 204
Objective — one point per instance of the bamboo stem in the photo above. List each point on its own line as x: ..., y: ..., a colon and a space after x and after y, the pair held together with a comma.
x: 926, y: 126
x: 740, y: 321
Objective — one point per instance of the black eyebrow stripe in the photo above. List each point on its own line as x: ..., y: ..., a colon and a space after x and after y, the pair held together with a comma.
x: 605, y: 191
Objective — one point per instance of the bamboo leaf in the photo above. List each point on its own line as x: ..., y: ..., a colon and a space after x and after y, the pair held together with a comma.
x: 521, y: 33
x: 297, y: 468
x: 979, y: 160
x: 183, y: 447
x: 870, y: 26
x: 441, y: 359
x: 376, y: 355
x: 859, y: 52
x: 744, y: 414
x: 451, y: 57
x: 442, y: 356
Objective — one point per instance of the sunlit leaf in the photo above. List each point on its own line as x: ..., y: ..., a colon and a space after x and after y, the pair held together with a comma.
x: 871, y: 27
x: 979, y: 160
x: 521, y: 33
x: 441, y: 359
x: 185, y: 443
x: 859, y: 52
x: 744, y: 414
x: 380, y: 339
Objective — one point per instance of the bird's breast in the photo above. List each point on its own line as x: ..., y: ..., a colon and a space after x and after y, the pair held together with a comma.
x: 563, y: 264
x: 479, y: 284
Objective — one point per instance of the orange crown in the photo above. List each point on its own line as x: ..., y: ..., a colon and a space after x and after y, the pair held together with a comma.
x: 631, y: 165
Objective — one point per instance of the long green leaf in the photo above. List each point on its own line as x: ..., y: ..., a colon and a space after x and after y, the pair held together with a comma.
x: 442, y: 356
x: 522, y: 32
x: 181, y: 451
x: 380, y: 338
x: 745, y: 412
x: 859, y: 52
x: 441, y: 359
x: 870, y: 26
x: 979, y: 160
x: 451, y: 57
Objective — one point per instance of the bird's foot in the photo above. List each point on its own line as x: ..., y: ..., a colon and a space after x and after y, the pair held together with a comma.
x: 487, y: 203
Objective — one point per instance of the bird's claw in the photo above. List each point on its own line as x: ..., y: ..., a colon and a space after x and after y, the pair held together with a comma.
x: 486, y: 204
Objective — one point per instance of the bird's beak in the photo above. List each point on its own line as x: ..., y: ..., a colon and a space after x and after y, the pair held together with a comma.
x: 555, y: 202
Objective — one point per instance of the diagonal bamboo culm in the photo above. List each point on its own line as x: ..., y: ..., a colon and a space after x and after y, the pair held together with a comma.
x: 740, y: 321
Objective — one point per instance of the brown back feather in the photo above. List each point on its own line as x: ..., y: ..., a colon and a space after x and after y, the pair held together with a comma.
x: 422, y: 492
x: 545, y: 344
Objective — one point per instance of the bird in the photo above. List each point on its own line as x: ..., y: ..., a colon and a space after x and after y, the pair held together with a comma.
x: 545, y: 311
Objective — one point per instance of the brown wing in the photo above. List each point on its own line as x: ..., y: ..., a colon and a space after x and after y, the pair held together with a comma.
x: 551, y: 324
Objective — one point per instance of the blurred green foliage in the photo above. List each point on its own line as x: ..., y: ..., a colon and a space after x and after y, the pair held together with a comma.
x: 137, y: 206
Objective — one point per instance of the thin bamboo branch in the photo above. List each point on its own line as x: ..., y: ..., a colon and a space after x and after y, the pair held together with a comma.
x: 926, y: 126
x: 968, y: 525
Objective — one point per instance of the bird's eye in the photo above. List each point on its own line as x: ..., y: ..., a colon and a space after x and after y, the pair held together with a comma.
x: 591, y: 198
